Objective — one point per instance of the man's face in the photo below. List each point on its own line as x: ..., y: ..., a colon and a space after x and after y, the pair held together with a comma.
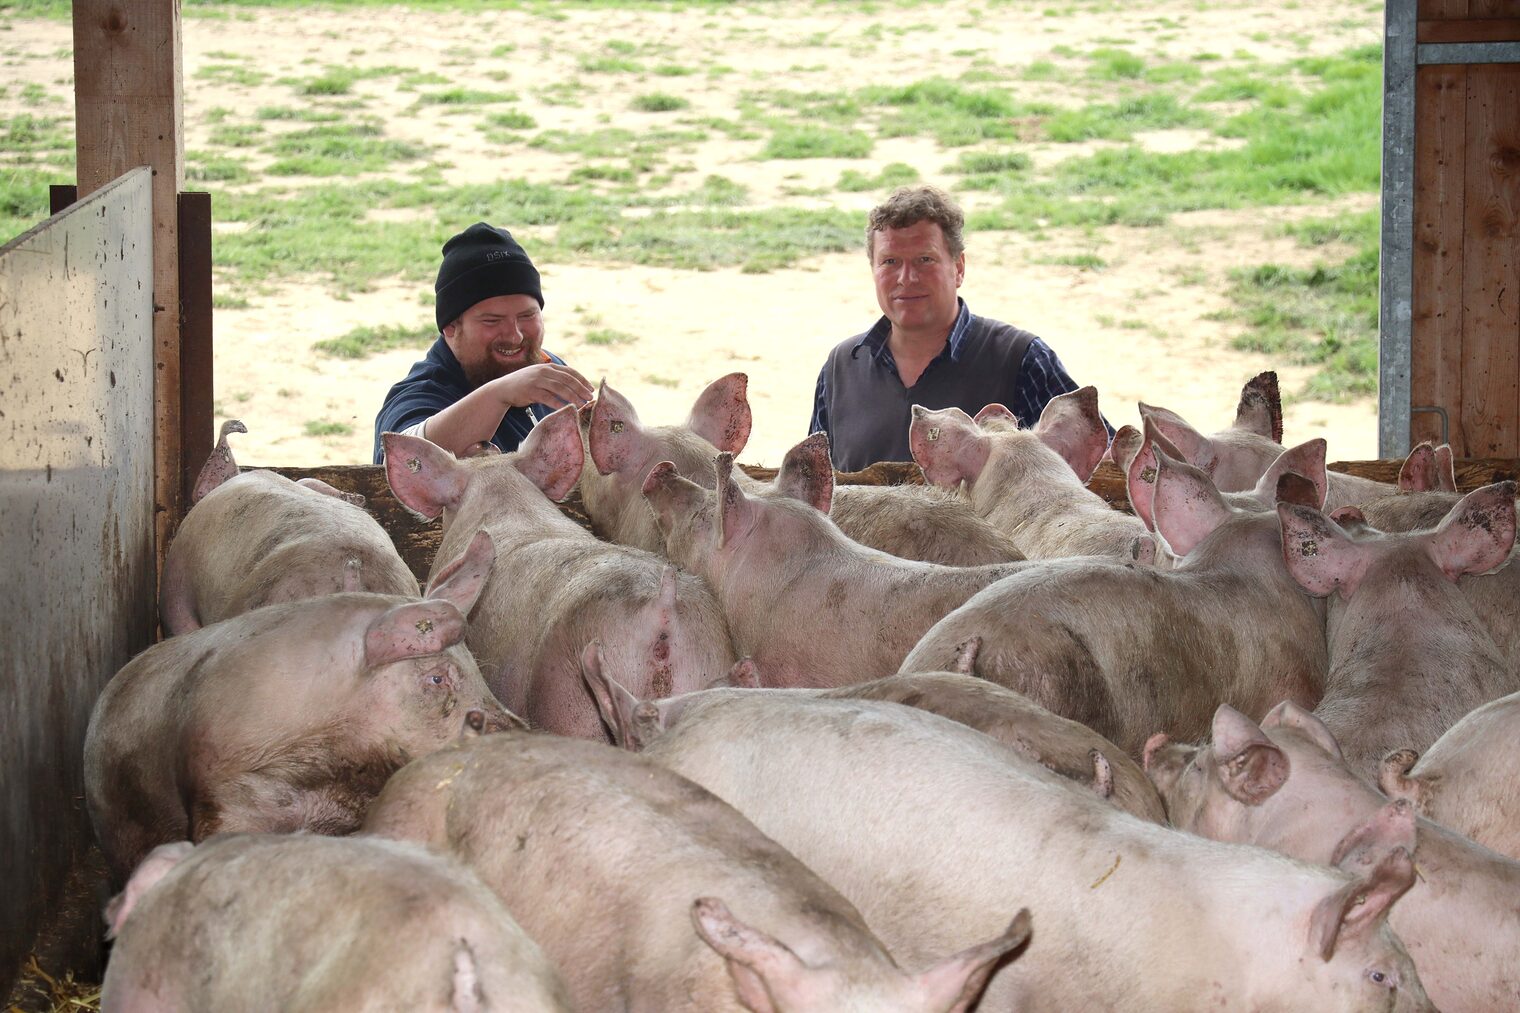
x: 916, y: 278
x: 497, y: 336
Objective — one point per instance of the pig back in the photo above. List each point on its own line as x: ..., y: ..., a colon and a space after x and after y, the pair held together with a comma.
x: 317, y: 923
x: 260, y: 539
x: 922, y: 523
x: 600, y: 855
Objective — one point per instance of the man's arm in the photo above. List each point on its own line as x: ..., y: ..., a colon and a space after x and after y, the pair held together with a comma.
x: 475, y: 417
x: 1042, y: 377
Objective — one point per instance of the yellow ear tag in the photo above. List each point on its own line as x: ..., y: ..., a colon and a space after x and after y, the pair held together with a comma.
x: 933, y: 434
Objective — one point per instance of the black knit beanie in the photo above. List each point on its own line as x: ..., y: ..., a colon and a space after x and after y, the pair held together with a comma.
x: 480, y: 263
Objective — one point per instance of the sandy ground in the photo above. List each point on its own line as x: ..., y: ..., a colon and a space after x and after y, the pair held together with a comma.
x: 1139, y: 329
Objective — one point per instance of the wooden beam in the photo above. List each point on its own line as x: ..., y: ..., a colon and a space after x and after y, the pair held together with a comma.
x: 196, y: 403
x: 1478, y: 30
x: 129, y: 112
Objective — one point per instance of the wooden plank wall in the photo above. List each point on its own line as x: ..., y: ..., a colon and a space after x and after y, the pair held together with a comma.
x: 1466, y: 295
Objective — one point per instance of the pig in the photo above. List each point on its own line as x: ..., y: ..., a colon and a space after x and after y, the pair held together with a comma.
x: 833, y: 611
x: 1408, y: 655
x: 932, y: 830
x: 607, y: 859
x: 556, y: 586
x: 1237, y: 457
x: 284, y: 718
x: 257, y: 538
x: 1031, y: 483
x: 1469, y: 780
x: 1070, y: 749
x: 910, y: 521
x: 301, y: 922
x: 1284, y: 785
x: 1129, y: 650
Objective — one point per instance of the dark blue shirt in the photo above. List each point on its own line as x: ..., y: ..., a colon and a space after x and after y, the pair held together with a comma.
x: 437, y: 382
x: 1041, y: 375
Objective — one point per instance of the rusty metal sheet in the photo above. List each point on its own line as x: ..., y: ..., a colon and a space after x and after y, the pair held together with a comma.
x: 76, y: 523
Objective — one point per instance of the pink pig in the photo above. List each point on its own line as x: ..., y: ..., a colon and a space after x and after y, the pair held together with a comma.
x: 555, y: 586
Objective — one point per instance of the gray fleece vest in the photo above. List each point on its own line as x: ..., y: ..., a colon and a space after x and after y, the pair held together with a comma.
x: 870, y: 409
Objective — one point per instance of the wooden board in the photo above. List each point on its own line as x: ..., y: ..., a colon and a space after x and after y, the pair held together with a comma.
x: 1435, y: 370
x: 1469, y: 30
x: 1491, y: 268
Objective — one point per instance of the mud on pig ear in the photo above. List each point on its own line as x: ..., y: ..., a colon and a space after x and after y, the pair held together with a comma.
x: 1418, y: 472
x: 1250, y: 765
x: 1476, y: 536
x: 552, y: 455
x: 948, y: 445
x: 1187, y: 507
x: 461, y: 581
x: 1320, y: 557
x: 760, y: 965
x: 426, y: 478
x: 1305, y: 462
x: 1141, y: 470
x: 1395, y: 782
x: 1259, y: 409
x: 722, y: 414
x: 1072, y: 427
x: 614, y: 432
x: 807, y: 474
x: 412, y: 631
x: 615, y: 704
x: 1356, y: 909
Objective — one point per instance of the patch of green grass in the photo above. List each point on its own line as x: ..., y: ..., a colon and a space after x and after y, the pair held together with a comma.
x: 1325, y: 315
x: 1085, y: 261
x: 505, y: 49
x: 605, y: 173
x: 324, y: 427
x: 207, y: 167
x: 732, y: 129
x: 1110, y: 64
x: 362, y: 342
x: 756, y: 241
x: 464, y: 97
x: 989, y: 162
x: 336, y: 81
x: 813, y: 106
x: 1042, y: 70
x: 1238, y: 84
x: 424, y: 77
x: 608, y: 336
x: 610, y: 65
x: 231, y: 73
x: 953, y: 115
x: 303, y: 114
x: 1167, y: 73
x: 237, y: 135
x: 216, y: 114
x: 512, y: 119
x: 25, y: 132
x: 338, y: 150
x: 658, y: 102
x: 808, y: 140
x: 1154, y: 111
x: 891, y: 176
x: 674, y: 70
x: 23, y: 199
x: 223, y: 301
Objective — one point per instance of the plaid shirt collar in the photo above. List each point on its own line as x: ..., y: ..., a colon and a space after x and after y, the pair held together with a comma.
x: 876, y: 338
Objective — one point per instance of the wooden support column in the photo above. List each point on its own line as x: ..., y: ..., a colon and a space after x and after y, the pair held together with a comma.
x: 129, y: 112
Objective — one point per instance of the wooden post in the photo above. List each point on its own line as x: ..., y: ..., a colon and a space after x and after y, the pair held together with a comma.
x: 129, y: 111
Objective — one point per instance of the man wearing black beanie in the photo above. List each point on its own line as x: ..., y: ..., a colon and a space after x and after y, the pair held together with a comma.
x: 487, y: 377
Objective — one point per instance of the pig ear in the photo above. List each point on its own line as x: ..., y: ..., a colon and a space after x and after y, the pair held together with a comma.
x: 736, y: 513
x: 806, y: 473
x: 1071, y: 426
x: 552, y: 456
x: 1446, y: 470
x: 1194, y: 447
x: 965, y: 655
x: 1320, y: 557
x: 219, y: 466
x: 721, y: 415
x: 1140, y: 471
x: 1187, y: 506
x: 149, y: 871
x: 1392, y: 826
x: 614, y: 431
x: 1103, y: 774
x: 1290, y: 715
x: 760, y: 965
x: 741, y: 675
x: 461, y: 582
x: 1395, y: 782
x: 1306, y: 461
x: 614, y: 702
x: 317, y: 485
x: 669, y: 494
x: 948, y: 445
x: 426, y: 478
x: 1126, y: 444
x: 1260, y: 407
x: 1250, y: 765
x: 1476, y: 536
x: 956, y: 982
x: 1418, y: 472
x: 412, y: 631
x: 1356, y: 909
x: 996, y: 413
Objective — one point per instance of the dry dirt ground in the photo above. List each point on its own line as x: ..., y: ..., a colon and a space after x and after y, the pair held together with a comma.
x: 1133, y: 329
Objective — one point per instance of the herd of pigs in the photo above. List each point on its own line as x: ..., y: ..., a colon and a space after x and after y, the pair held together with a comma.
x: 982, y: 743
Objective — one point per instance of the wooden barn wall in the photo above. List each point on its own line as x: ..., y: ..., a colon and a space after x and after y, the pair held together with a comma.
x: 1465, y: 345
x: 76, y: 495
